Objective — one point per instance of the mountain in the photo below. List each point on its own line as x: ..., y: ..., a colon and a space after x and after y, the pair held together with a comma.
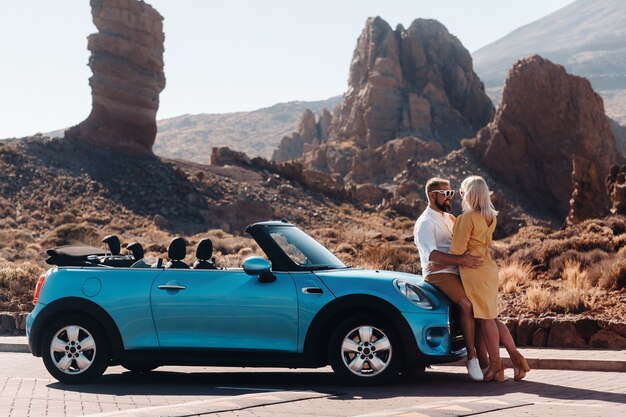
x: 257, y: 133
x: 587, y: 37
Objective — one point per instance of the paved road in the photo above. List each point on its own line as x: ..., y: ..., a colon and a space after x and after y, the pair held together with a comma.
x: 26, y: 389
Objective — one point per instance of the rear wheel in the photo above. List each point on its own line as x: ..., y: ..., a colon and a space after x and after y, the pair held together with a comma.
x: 365, y: 350
x: 75, y: 350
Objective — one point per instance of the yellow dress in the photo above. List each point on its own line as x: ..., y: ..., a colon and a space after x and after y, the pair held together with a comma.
x: 472, y: 232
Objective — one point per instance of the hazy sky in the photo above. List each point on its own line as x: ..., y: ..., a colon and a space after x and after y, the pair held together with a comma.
x: 220, y: 55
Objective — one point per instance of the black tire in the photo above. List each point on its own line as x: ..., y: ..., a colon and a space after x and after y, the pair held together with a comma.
x: 75, y: 349
x: 356, y: 362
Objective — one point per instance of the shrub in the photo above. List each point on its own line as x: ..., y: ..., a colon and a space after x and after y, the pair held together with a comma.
x: 17, y: 282
x: 64, y: 218
x: 513, y: 275
x: 389, y: 257
x: 609, y: 273
x: 584, y: 259
x: 617, y: 224
x: 402, y: 223
x: 538, y: 299
x: 72, y: 233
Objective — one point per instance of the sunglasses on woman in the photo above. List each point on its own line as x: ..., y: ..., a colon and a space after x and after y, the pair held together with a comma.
x: 446, y: 193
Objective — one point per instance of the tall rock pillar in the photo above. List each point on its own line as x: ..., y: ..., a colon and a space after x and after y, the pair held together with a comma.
x: 127, y: 65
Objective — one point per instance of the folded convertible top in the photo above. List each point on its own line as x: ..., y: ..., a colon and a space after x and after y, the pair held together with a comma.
x: 72, y: 255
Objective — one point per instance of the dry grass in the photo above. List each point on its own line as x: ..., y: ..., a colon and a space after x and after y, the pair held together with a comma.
x: 538, y: 298
x: 72, y: 233
x: 514, y: 275
x: 17, y: 282
x: 584, y: 259
x: 388, y: 257
x: 402, y: 223
x: 575, y: 294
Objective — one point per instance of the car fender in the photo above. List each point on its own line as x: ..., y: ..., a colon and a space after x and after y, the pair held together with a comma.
x: 343, y: 307
x: 70, y: 305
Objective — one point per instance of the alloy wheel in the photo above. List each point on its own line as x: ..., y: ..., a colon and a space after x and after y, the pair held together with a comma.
x: 72, y: 349
x: 366, y: 351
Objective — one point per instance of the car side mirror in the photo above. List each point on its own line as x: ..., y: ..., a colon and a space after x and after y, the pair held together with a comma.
x: 257, y: 266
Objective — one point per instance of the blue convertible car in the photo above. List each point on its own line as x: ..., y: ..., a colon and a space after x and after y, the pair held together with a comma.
x: 302, y: 308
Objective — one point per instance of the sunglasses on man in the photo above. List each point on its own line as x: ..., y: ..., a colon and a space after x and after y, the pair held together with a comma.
x: 446, y: 193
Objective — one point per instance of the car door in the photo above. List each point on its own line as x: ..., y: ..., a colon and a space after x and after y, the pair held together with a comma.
x: 224, y: 309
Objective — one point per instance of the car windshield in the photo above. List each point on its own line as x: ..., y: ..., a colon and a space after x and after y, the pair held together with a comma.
x: 303, y: 249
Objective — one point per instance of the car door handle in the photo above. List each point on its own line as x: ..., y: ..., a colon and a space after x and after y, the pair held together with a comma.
x: 171, y: 287
x: 312, y: 290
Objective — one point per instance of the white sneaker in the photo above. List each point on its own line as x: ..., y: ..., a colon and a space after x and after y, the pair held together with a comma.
x: 473, y: 369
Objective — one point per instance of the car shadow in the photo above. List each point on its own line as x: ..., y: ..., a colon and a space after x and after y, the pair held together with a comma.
x: 433, y: 383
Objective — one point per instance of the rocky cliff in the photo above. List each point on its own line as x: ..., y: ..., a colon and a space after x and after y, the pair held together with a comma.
x: 546, y: 119
x: 127, y: 65
x: 416, y: 84
x: 417, y: 81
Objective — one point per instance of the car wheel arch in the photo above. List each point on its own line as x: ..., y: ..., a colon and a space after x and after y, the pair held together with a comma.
x: 76, y: 305
x: 324, y: 322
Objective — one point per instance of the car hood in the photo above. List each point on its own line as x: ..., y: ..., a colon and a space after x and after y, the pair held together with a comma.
x: 356, y: 273
x: 353, y: 281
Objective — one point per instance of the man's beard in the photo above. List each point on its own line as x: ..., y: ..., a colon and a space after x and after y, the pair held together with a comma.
x: 445, y: 206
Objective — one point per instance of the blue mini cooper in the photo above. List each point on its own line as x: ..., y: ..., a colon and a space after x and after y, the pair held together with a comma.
x: 302, y: 308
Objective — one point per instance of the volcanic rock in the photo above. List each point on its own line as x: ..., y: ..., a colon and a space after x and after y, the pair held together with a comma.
x: 588, y: 190
x: 310, y: 135
x: 546, y: 117
x: 417, y: 81
x: 412, y: 95
x: 616, y: 188
x: 127, y: 65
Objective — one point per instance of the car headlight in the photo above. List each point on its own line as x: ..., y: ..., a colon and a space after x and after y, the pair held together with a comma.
x: 414, y: 294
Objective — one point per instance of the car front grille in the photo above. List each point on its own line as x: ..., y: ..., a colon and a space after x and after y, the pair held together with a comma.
x: 457, y: 343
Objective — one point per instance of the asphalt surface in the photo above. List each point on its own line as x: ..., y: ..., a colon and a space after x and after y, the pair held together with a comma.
x: 26, y: 389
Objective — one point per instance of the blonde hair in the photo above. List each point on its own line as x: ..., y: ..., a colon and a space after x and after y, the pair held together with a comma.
x: 476, y: 197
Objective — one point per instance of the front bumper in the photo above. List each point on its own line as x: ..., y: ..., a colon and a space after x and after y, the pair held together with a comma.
x: 438, y: 340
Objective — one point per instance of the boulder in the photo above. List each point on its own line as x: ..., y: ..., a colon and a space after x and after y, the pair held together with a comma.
x: 607, y: 339
x: 127, y: 65
x: 564, y: 334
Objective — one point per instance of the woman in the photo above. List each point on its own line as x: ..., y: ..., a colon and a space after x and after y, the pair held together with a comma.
x: 473, y: 231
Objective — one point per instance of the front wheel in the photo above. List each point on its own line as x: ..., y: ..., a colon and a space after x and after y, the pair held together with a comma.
x: 365, y: 350
x: 75, y: 350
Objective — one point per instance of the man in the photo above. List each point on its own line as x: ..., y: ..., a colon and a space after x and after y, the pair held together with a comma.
x: 433, y: 234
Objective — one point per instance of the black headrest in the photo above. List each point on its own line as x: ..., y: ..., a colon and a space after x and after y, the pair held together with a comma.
x: 113, y: 243
x: 204, y: 251
x: 177, y: 249
x: 136, y: 249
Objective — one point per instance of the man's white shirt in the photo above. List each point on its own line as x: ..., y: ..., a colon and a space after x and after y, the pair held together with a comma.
x: 433, y: 231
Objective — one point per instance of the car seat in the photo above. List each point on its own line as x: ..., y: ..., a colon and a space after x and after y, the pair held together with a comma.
x: 204, y: 251
x: 113, y: 243
x: 176, y: 252
x: 136, y: 249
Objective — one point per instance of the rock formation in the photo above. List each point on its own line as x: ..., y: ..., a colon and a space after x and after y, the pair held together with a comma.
x: 416, y: 84
x: 417, y: 81
x: 309, y: 136
x: 616, y: 188
x: 588, y: 190
x: 546, y: 118
x: 127, y: 65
